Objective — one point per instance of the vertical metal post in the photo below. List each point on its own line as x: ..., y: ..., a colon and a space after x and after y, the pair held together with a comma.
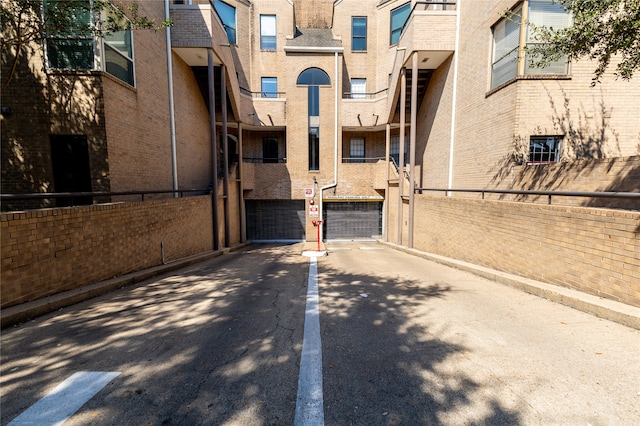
x: 214, y: 150
x: 387, y: 149
x: 403, y: 101
x: 412, y: 144
x: 225, y: 153
x: 243, y: 214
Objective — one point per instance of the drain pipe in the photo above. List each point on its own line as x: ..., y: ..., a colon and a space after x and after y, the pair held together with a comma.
x: 172, y: 118
x: 335, y: 153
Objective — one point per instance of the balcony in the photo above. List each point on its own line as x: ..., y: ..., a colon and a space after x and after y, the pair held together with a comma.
x: 269, y: 108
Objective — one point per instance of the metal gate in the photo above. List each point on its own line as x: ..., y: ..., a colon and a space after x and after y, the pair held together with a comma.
x: 275, y: 220
x: 352, y: 220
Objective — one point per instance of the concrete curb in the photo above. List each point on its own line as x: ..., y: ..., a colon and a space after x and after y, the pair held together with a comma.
x: 602, y: 308
x: 25, y: 311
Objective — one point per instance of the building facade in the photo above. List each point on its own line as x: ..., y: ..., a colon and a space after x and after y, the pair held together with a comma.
x: 303, y: 104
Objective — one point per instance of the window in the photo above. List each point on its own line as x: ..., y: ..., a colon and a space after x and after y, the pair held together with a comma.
x: 358, y: 88
x: 356, y: 150
x: 74, y: 46
x: 269, y: 87
x: 227, y: 14
x: 71, y: 46
x: 313, y: 78
x: 118, y: 54
x: 268, y: 32
x: 394, y: 149
x: 506, y: 62
x: 399, y: 17
x: 544, y: 149
x: 270, y: 150
x: 314, y: 126
x: 359, y: 33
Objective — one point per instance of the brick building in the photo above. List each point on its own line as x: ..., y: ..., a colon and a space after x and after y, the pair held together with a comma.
x: 305, y: 103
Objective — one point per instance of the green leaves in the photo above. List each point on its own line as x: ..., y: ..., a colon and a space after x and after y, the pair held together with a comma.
x: 601, y: 30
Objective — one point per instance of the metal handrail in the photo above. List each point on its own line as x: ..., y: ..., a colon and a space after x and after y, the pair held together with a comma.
x: 46, y: 195
x: 549, y: 194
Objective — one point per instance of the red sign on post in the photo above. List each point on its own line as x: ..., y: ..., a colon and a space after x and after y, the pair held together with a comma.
x: 313, y: 211
x: 308, y: 192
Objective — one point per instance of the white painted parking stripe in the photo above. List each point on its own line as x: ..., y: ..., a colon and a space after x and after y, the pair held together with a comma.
x: 309, y: 404
x: 65, y: 399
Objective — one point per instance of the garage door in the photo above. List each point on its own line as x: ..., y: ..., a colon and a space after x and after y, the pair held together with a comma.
x: 275, y: 220
x: 352, y: 220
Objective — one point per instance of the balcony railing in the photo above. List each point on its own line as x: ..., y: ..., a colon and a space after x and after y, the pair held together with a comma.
x: 262, y: 94
x: 262, y: 160
x: 361, y: 160
x: 365, y: 95
x: 434, y: 5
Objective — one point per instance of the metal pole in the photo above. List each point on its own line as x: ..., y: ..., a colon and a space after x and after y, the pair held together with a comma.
x: 402, y: 100
x: 412, y: 144
x: 214, y: 150
x: 225, y: 153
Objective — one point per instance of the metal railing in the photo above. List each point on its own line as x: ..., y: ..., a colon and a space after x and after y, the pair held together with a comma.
x: 262, y: 94
x: 367, y: 160
x: 548, y: 194
x: 262, y: 160
x: 434, y: 5
x: 83, y: 196
x: 364, y: 95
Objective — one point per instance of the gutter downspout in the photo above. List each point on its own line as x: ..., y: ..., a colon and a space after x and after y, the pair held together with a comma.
x: 172, y: 118
x: 453, y: 101
x: 335, y: 154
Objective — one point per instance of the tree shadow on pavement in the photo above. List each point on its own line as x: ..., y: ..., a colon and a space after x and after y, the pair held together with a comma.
x: 379, y: 348
x: 219, y: 343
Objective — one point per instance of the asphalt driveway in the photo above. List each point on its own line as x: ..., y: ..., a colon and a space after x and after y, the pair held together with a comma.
x: 403, y: 341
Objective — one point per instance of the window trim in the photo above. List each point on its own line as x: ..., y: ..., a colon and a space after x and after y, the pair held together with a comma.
x: 556, y: 152
x: 357, y: 94
x: 224, y: 25
x: 358, y: 37
x: 522, y: 71
x: 268, y: 93
x: 274, y: 35
x: 400, y: 29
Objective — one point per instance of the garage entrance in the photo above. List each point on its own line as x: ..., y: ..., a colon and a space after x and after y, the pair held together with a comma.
x: 352, y: 220
x: 275, y: 220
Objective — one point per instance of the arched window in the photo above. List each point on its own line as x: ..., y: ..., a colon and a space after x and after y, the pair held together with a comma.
x: 313, y: 77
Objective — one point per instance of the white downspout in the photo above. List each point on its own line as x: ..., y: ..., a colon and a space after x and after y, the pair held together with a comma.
x: 335, y: 148
x: 172, y: 119
x: 453, y: 101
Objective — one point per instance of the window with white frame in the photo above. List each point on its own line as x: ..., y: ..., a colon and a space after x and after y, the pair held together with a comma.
x: 358, y: 88
x: 227, y: 14
x: 268, y: 32
x: 507, y: 61
x: 359, y: 33
x: 544, y: 149
x: 356, y: 150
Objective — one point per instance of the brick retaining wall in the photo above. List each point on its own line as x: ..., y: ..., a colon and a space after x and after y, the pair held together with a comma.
x: 589, y: 249
x: 52, y: 250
